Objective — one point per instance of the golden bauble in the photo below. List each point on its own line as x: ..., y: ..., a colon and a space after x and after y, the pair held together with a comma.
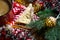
x: 37, y: 7
x: 50, y: 22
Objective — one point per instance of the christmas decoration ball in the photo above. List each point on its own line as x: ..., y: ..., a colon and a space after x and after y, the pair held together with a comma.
x: 50, y: 22
x: 37, y: 7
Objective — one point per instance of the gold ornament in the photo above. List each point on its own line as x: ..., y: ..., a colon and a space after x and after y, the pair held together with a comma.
x: 37, y: 7
x: 50, y: 22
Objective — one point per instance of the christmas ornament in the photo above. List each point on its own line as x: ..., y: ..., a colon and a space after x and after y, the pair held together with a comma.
x: 18, y: 8
x: 37, y: 7
x: 50, y: 22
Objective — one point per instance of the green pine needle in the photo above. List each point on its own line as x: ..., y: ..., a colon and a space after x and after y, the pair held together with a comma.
x: 52, y: 33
